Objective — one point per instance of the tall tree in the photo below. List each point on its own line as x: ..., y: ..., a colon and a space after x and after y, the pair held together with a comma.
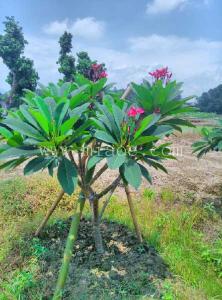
x: 22, y: 73
x: 66, y: 60
x: 84, y: 63
x: 90, y: 69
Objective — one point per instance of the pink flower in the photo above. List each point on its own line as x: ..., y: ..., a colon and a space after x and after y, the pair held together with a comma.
x: 163, y: 74
x: 96, y: 67
x: 140, y: 110
x: 103, y: 74
x: 133, y: 111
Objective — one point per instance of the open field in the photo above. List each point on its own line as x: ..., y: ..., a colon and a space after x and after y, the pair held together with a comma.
x: 180, y: 216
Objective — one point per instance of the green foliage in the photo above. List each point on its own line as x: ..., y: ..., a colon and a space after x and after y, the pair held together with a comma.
x: 211, y: 101
x: 83, y: 63
x: 123, y: 130
x: 213, y: 256
x: 66, y: 60
x: 149, y: 194
x: 22, y: 73
x: 49, y: 126
x: 212, y: 141
x: 167, y: 195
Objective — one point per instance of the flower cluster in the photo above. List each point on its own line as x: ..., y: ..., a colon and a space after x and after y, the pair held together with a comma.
x: 161, y: 74
x: 97, y: 72
x: 133, y: 111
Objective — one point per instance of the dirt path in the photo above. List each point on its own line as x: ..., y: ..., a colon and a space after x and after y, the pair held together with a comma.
x: 186, y: 175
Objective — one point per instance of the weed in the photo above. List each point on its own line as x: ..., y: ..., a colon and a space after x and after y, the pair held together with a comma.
x: 149, y: 194
x: 210, y: 208
x: 167, y: 195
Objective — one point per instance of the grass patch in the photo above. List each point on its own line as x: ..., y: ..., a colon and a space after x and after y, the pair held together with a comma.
x: 173, y: 229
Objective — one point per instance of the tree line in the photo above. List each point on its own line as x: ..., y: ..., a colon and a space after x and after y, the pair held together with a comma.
x: 22, y: 73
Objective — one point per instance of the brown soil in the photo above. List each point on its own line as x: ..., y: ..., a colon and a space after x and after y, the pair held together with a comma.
x: 126, y: 269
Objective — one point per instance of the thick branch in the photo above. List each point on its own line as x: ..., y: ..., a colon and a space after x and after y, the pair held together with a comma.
x: 99, y: 173
x: 49, y: 213
x: 109, y: 188
x: 72, y: 159
x: 106, y: 203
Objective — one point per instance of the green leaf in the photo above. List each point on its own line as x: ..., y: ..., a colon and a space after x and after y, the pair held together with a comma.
x: 41, y: 119
x: 16, y: 140
x: 132, y: 173
x: 145, y: 173
x: 146, y: 123
x: 144, y: 140
x: 105, y: 137
x: 68, y: 124
x: 28, y: 116
x: 156, y: 165
x: 60, y: 112
x: 79, y: 110
x: 23, y: 128
x: 98, y: 86
x: 118, y: 116
x: 11, y: 164
x: 36, y: 164
x: 18, y: 152
x: 115, y: 161
x: 79, y: 96
x: 179, y: 122
x: 44, y: 108
x: 67, y: 175
x: 6, y: 133
x: 93, y: 160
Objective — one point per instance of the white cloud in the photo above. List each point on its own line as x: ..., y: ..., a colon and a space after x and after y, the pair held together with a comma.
x: 56, y: 27
x: 86, y: 28
x: 195, y: 62
x: 164, y: 6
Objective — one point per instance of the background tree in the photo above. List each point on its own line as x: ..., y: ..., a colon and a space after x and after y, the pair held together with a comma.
x: 84, y: 63
x: 211, y: 101
x: 22, y: 73
x: 66, y: 60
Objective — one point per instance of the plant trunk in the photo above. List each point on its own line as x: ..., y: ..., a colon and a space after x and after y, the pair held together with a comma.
x: 49, y: 213
x: 132, y: 211
x: 96, y: 226
x: 69, y: 249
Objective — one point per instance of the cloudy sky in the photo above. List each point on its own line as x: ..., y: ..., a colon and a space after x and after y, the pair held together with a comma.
x: 131, y: 36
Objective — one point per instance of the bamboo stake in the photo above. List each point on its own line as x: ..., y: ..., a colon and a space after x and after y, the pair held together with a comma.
x: 128, y: 194
x: 127, y: 92
x: 132, y: 211
x: 72, y: 236
x: 49, y: 213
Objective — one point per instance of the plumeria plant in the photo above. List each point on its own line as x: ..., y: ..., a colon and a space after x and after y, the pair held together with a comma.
x: 211, y: 141
x: 78, y: 131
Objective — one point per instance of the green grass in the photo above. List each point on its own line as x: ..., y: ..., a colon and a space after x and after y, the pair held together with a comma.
x: 201, y: 115
x: 174, y: 229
